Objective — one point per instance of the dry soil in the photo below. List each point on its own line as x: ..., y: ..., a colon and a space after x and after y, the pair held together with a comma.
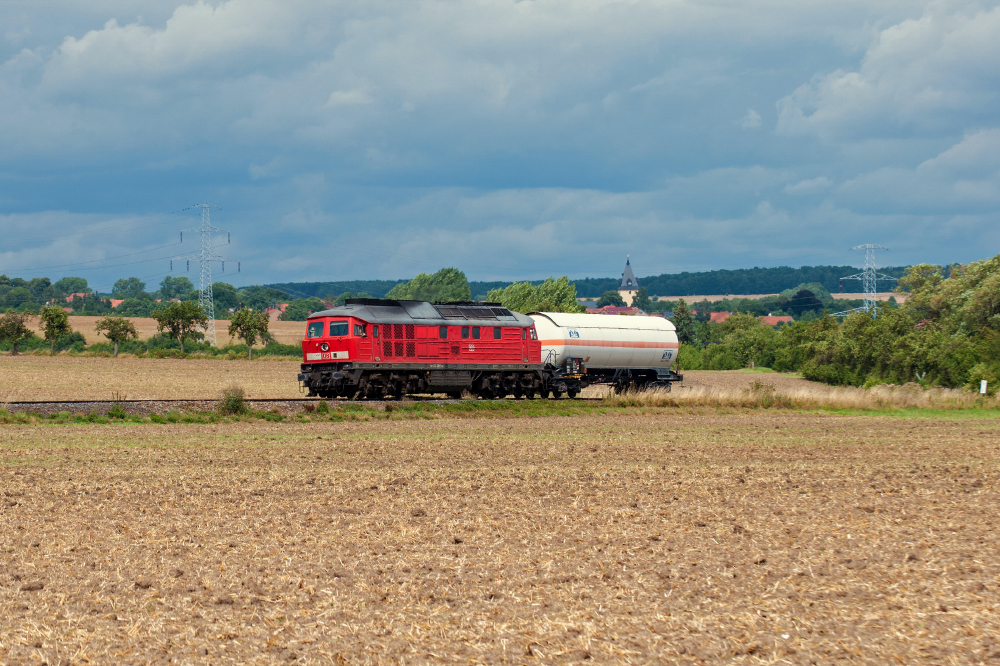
x: 63, y: 377
x: 753, y: 538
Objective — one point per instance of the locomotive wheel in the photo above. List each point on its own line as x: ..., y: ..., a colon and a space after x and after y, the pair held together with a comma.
x: 556, y: 394
x: 572, y: 394
x: 529, y: 393
x: 518, y: 392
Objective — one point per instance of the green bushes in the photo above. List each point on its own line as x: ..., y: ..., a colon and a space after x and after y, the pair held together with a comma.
x: 947, y: 334
x: 689, y: 357
x: 232, y: 402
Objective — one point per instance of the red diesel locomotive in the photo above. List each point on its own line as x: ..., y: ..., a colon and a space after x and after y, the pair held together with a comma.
x: 370, y: 348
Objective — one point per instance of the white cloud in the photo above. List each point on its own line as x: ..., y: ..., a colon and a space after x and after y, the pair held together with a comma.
x: 920, y: 75
x: 751, y: 120
x: 811, y: 186
x: 964, y: 178
x: 348, y: 98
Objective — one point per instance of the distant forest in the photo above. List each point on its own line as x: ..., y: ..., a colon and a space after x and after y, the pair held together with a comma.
x: 375, y: 288
x: 741, y: 281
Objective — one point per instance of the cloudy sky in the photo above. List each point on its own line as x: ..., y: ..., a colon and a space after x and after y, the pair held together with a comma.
x: 352, y: 140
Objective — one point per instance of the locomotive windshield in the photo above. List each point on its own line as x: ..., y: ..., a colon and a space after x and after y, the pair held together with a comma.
x: 338, y: 328
x: 315, y: 329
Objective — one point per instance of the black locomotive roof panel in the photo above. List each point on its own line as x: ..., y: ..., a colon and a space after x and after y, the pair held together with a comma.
x: 385, y: 311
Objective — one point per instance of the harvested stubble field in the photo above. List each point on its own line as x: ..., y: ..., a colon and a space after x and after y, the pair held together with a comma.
x: 687, y: 538
x: 64, y: 377
x: 285, y: 332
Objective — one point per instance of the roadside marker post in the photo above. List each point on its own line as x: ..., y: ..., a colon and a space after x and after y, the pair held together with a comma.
x: 982, y: 386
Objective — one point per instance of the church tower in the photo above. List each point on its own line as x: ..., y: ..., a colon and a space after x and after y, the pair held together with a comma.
x: 629, y: 285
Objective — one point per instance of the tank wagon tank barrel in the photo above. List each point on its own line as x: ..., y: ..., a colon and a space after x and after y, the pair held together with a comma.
x: 373, y: 348
x: 623, y: 351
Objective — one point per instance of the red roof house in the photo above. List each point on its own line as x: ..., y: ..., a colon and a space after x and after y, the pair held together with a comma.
x: 771, y: 320
x: 719, y: 317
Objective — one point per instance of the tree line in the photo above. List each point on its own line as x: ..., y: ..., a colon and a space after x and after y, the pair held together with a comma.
x: 946, y: 334
x: 181, y: 321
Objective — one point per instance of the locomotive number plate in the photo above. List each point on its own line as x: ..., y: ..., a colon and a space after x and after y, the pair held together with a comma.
x: 325, y: 356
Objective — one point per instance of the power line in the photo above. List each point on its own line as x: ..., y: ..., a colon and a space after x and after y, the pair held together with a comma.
x: 97, y: 261
x: 869, y: 281
x: 205, y: 257
x: 103, y: 230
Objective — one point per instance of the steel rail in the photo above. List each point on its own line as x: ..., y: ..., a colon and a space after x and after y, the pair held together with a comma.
x: 332, y: 401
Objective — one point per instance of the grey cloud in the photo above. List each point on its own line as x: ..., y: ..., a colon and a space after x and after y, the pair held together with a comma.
x: 378, y: 139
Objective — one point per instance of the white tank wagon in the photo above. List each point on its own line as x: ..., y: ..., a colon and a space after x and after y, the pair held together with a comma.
x: 624, y: 351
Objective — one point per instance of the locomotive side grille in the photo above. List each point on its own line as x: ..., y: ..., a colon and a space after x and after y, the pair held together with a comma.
x: 411, y: 349
x: 399, y: 349
x: 409, y: 332
x: 454, y: 350
x: 386, y: 347
x: 387, y: 331
x: 397, y: 332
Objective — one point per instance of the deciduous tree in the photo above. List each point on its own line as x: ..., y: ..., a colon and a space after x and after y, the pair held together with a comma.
x: 611, y: 297
x: 14, y: 329
x: 117, y: 329
x: 550, y: 296
x: 181, y: 320
x: 55, y: 324
x: 249, y: 325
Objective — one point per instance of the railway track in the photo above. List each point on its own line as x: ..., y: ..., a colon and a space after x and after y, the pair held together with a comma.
x: 150, y: 406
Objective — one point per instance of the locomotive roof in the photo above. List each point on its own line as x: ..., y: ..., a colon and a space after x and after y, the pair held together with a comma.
x: 384, y: 311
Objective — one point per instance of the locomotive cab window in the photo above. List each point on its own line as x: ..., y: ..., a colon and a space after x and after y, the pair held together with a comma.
x: 315, y: 329
x: 496, y: 332
x: 443, y: 332
x: 524, y: 334
x: 475, y: 332
x: 338, y: 328
x: 465, y: 331
x: 359, y: 330
x: 375, y: 331
x: 534, y: 334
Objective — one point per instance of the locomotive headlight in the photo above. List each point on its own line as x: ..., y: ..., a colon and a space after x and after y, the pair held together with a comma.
x: 325, y: 347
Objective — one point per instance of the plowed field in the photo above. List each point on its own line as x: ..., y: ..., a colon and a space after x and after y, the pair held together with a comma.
x: 750, y: 538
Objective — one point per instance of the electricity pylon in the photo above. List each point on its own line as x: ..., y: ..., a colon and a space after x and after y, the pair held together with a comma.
x: 869, y: 280
x: 206, y: 257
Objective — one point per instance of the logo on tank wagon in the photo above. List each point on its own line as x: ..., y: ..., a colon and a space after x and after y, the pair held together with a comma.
x: 574, y: 334
x: 666, y: 355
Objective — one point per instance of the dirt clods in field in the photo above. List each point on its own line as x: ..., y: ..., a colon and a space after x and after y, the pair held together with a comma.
x: 752, y: 538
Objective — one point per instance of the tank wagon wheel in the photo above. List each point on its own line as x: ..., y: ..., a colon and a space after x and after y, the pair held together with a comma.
x: 556, y: 394
x: 572, y: 394
x: 455, y: 395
